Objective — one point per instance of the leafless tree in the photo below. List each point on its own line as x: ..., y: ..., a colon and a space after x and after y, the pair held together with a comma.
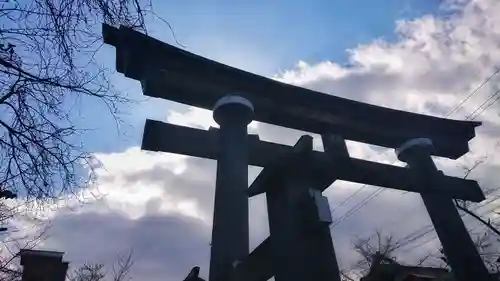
x: 375, y: 248
x: 97, y: 272
x: 487, y: 245
x: 487, y: 241
x: 10, y: 269
x: 122, y: 267
x: 89, y: 272
x: 468, y: 207
x: 47, y: 68
x: 346, y: 277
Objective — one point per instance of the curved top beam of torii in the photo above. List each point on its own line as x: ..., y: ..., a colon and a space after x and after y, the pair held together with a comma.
x: 177, y: 75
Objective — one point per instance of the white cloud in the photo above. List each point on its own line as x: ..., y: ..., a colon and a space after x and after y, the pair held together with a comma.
x: 136, y: 193
x: 431, y: 67
x: 429, y: 70
x: 198, y: 118
x: 195, y: 117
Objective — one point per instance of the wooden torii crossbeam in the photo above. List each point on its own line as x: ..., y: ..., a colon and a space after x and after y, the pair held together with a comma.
x: 171, y: 73
x: 165, y: 137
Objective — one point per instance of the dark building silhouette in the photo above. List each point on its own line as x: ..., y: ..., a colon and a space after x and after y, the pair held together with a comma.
x: 43, y: 265
x: 385, y: 269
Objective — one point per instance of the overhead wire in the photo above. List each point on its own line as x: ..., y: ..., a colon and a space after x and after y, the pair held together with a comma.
x: 428, y: 229
x: 470, y: 116
x: 497, y: 97
x: 472, y: 93
x: 405, y: 214
x: 348, y: 198
x: 433, y: 237
x: 380, y: 190
x: 475, y: 208
x: 358, y: 206
x: 357, y: 190
x: 477, y: 112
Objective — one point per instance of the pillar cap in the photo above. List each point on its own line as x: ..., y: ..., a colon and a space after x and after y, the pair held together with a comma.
x: 413, y: 143
x: 233, y: 106
x: 233, y: 99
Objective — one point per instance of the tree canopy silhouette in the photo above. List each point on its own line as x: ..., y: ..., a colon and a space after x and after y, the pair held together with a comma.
x: 47, y: 64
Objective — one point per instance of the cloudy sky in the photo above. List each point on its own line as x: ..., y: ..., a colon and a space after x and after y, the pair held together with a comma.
x: 423, y: 56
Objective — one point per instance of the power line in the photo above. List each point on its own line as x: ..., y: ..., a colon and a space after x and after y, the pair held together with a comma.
x: 434, y: 237
x: 358, y: 206
x: 427, y: 232
x: 380, y: 190
x: 471, y: 94
x: 396, y: 221
x: 355, y: 192
x: 486, y: 108
x: 469, y: 117
x: 348, y: 198
x: 432, y: 252
x: 475, y: 208
x: 427, y: 229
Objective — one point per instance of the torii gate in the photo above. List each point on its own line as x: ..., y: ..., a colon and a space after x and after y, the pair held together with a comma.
x: 299, y: 247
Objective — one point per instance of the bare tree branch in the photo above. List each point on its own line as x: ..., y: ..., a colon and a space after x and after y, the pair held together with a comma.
x: 379, y: 250
x: 97, y: 272
x: 88, y: 272
x: 486, y: 223
x: 122, y: 267
x: 462, y: 205
x: 48, y: 63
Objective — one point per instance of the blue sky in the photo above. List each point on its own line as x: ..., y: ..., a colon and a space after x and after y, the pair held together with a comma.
x: 258, y: 36
x: 150, y: 198
x: 265, y: 37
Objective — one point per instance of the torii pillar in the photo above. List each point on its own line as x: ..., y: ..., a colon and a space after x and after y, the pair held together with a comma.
x: 463, y: 257
x: 230, y: 232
